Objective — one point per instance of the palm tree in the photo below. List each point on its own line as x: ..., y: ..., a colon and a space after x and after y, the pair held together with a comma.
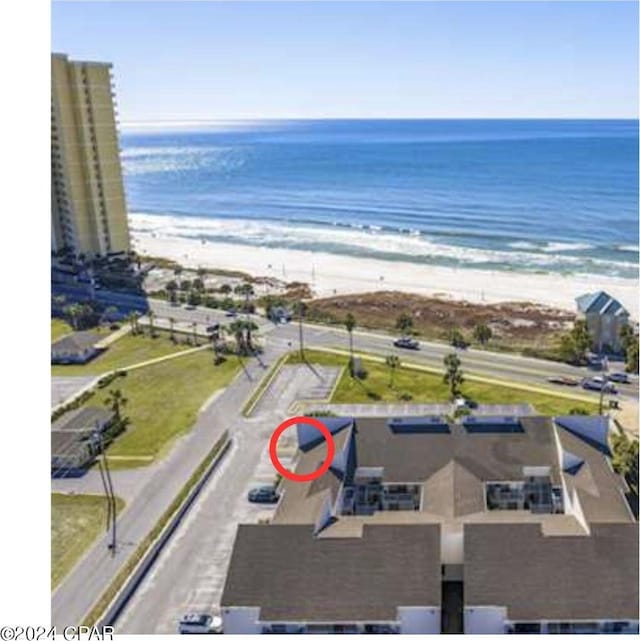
x: 393, y: 362
x: 453, y: 374
x: 482, y: 333
x: 171, y: 287
x: 73, y: 311
x: 172, y: 322
x: 115, y: 401
x: 300, y: 308
x: 152, y: 330
x: 405, y: 324
x: 350, y: 323
x: 194, y: 326
x: 131, y: 318
x: 246, y: 290
x: 110, y: 313
x: 249, y: 327
x: 237, y: 329
x: 215, y: 339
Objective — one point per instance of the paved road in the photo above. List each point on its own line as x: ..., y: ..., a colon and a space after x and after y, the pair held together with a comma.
x: 190, y: 573
x: 479, y: 362
x: 78, y: 592
x: 150, y: 497
x: 492, y: 364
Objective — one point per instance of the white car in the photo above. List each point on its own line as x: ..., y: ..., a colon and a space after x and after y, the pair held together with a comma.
x: 200, y: 624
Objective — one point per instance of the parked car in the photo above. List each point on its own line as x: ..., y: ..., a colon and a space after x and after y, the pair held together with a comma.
x: 212, y: 329
x: 465, y: 403
x: 618, y: 377
x: 232, y: 313
x: 598, y: 383
x: 563, y: 380
x: 264, y: 494
x: 406, y: 343
x: 190, y: 307
x: 596, y: 363
x: 200, y: 624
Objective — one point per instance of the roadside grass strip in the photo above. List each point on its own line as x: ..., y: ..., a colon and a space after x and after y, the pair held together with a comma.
x: 161, y: 530
x: 77, y: 520
x: 430, y: 388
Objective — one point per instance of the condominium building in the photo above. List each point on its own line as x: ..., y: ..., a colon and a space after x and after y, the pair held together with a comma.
x: 491, y: 525
x: 88, y: 209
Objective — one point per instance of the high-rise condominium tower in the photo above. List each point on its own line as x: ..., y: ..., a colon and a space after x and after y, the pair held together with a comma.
x: 88, y: 209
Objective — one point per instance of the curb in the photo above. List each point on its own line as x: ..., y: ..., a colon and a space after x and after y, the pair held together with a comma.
x: 251, y: 402
x: 472, y: 377
x: 114, y: 609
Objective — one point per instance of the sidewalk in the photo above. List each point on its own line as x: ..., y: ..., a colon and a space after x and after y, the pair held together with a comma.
x: 75, y: 596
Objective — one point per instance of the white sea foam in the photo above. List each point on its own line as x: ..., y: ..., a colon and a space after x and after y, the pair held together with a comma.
x: 354, y: 240
x: 564, y: 247
x: 523, y: 244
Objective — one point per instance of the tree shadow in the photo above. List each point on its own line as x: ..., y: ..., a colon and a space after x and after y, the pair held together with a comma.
x: 315, y: 372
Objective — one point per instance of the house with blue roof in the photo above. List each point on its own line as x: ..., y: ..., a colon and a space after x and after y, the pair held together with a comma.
x: 605, y: 317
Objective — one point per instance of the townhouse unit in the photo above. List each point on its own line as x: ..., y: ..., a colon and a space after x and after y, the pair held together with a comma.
x: 492, y: 525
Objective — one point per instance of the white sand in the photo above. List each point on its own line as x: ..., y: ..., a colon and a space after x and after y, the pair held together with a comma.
x: 329, y: 274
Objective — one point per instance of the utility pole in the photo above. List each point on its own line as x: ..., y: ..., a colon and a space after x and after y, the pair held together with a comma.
x: 105, y: 474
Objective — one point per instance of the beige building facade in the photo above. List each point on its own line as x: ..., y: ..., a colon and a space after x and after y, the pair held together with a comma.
x: 88, y: 207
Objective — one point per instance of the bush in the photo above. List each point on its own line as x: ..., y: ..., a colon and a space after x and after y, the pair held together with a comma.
x: 578, y: 411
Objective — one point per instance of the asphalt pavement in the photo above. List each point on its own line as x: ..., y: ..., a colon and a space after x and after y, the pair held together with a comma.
x: 190, y: 574
x: 75, y: 596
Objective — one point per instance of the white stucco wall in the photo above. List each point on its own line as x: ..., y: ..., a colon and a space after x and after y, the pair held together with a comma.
x: 416, y: 620
x: 241, y: 620
x: 484, y: 620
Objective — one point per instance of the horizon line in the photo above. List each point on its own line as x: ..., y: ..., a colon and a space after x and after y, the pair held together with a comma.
x: 189, y: 121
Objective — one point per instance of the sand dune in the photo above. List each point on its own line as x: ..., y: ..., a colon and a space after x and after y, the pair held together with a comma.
x: 329, y: 274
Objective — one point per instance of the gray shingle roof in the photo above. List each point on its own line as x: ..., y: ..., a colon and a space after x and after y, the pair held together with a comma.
x: 293, y: 576
x: 560, y: 578
x: 75, y: 343
x: 83, y: 418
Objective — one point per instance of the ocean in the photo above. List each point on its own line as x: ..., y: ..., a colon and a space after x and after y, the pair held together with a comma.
x: 558, y: 196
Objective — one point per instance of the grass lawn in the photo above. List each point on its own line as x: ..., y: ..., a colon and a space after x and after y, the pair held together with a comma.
x: 426, y: 387
x: 59, y: 328
x: 127, y: 350
x: 163, y: 403
x: 76, y: 522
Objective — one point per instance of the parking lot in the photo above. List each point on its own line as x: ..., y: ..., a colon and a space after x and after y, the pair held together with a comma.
x: 200, y: 550
x: 64, y: 387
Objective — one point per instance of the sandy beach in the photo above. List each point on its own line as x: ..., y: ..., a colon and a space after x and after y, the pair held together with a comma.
x: 328, y: 274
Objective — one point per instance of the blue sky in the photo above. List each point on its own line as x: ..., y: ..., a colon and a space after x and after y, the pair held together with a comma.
x: 215, y: 60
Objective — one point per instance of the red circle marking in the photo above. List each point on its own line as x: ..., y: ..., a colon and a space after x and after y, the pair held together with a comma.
x: 292, y: 476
